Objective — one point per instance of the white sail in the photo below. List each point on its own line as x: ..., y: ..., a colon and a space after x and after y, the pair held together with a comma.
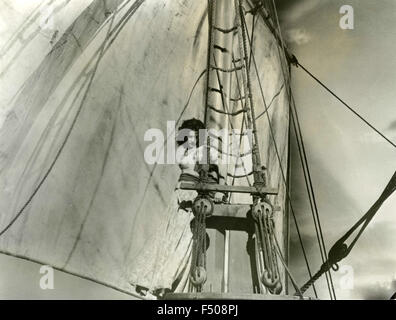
x: 72, y: 143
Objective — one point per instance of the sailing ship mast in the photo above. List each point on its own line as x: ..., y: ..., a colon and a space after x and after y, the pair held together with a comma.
x: 70, y: 139
x: 230, y: 104
x: 67, y: 150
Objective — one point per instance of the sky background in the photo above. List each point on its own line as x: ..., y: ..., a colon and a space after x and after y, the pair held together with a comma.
x: 350, y: 164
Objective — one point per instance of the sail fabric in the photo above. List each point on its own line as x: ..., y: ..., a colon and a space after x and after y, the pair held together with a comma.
x: 164, y: 260
x: 74, y: 133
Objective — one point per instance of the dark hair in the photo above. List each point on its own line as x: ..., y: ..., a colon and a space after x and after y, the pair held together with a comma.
x: 190, y: 124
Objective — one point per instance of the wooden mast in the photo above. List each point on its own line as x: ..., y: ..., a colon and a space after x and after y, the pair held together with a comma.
x: 232, y: 269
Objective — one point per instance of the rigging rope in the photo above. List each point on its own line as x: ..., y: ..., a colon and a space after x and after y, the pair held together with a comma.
x: 299, y: 138
x: 295, y: 62
x: 272, y: 276
x: 242, y: 127
x: 340, y: 249
x: 310, y: 190
x: 233, y: 114
x: 280, y: 164
x: 243, y: 38
x: 227, y: 112
x: 211, y: 14
x: 275, y: 144
x: 262, y: 214
x: 272, y: 100
x: 198, y: 263
x: 336, y: 252
x: 282, y: 259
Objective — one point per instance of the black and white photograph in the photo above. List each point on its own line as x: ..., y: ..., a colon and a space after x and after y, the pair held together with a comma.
x: 220, y: 150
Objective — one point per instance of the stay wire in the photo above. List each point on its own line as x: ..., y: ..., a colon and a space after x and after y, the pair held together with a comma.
x: 315, y: 214
x: 311, y: 193
x: 297, y: 63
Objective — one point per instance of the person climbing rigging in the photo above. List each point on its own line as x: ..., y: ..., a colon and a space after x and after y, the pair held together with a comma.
x: 164, y: 262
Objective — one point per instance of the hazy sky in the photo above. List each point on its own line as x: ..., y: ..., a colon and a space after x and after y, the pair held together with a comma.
x: 350, y: 164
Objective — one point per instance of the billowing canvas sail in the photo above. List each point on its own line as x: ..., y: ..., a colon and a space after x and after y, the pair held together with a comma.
x: 75, y: 189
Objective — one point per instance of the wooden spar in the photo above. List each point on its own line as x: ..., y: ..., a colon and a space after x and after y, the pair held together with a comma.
x: 225, y: 188
x: 230, y: 266
x: 229, y: 296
